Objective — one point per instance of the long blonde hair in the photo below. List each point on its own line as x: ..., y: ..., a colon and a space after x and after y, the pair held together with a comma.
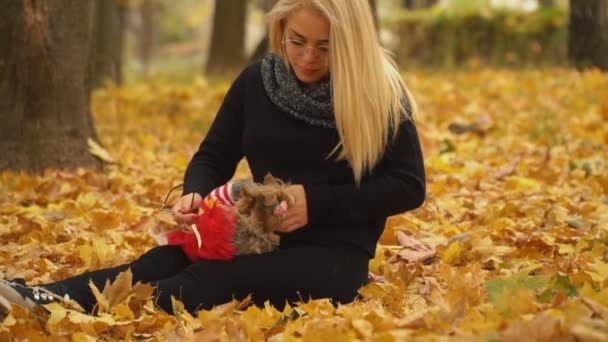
x: 367, y: 90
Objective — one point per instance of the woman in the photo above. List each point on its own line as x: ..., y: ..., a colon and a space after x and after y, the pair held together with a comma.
x: 326, y: 111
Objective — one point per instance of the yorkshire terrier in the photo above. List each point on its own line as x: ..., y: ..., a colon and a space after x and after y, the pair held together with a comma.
x: 240, y: 217
x: 260, y: 211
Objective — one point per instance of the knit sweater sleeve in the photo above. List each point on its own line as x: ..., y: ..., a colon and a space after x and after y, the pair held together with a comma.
x: 397, y: 185
x: 220, y: 151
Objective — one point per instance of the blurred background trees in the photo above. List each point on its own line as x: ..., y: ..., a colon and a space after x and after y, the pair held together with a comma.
x: 418, y: 4
x: 47, y: 71
x: 109, y: 28
x: 219, y: 36
x: 588, y: 43
x: 227, y: 49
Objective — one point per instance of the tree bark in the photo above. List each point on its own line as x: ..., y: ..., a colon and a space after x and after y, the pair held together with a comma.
x: 45, y: 84
x: 588, y: 33
x: 374, y: 8
x: 109, y: 27
x: 266, y: 5
x: 147, y: 33
x: 261, y: 49
x: 418, y: 4
x: 264, y: 44
x: 227, y: 51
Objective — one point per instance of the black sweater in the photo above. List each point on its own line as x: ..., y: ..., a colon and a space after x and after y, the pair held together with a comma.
x: 249, y: 124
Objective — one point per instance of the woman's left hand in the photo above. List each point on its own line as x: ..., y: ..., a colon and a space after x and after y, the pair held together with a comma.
x: 296, y: 216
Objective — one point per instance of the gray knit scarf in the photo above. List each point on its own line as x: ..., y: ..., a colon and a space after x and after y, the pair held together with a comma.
x: 312, y: 105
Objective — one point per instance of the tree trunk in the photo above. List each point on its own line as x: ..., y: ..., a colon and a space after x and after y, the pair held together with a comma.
x: 109, y: 27
x: 147, y: 33
x: 264, y: 45
x: 227, y: 51
x: 45, y: 84
x: 261, y: 49
x: 546, y: 3
x: 374, y: 7
x: 588, y: 33
x: 418, y: 4
x: 266, y: 5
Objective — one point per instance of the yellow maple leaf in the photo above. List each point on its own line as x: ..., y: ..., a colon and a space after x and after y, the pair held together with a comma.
x: 373, y: 290
x: 512, y: 305
x: 364, y: 328
x: 57, y: 311
x: 517, y: 183
x: 451, y: 253
x: 599, y: 271
x: 123, y: 312
x: 103, y: 305
x: 565, y: 248
x: 99, y: 152
x: 541, y: 328
x: 86, y: 254
x: 118, y: 291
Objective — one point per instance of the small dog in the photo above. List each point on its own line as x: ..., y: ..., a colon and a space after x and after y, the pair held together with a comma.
x: 240, y: 217
x: 260, y: 209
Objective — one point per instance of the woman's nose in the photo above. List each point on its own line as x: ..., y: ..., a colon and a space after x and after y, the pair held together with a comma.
x: 310, y: 54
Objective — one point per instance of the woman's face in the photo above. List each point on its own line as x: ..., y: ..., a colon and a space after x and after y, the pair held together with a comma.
x: 306, y: 39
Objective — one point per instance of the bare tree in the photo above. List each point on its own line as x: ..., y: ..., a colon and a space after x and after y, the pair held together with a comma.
x: 588, y: 33
x: 227, y: 51
x: 45, y: 55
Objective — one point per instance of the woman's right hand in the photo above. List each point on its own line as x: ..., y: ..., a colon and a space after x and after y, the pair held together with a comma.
x: 186, y: 208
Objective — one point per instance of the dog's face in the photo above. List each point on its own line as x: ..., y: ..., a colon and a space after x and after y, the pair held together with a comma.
x: 260, y: 205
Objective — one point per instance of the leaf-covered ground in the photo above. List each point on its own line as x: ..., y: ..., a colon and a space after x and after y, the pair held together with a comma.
x: 511, y: 243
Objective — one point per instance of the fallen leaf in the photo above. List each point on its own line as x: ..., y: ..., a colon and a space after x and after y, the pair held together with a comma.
x: 451, y: 253
x: 99, y: 152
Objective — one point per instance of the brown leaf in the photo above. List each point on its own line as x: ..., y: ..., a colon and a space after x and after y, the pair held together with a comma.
x: 413, y: 321
x: 540, y: 329
x: 120, y: 289
x: 413, y: 250
x: 509, y: 170
x: 103, y: 304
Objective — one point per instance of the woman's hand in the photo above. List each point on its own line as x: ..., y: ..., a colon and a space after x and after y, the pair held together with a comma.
x: 296, y: 216
x: 184, y: 211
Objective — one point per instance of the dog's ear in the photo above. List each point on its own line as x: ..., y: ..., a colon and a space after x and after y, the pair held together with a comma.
x: 269, y: 179
x: 247, y: 191
x: 247, y: 199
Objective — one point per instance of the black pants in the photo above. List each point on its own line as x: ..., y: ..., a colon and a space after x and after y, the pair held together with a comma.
x: 287, y: 274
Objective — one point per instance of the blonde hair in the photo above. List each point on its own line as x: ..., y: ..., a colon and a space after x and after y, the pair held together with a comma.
x: 367, y: 90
